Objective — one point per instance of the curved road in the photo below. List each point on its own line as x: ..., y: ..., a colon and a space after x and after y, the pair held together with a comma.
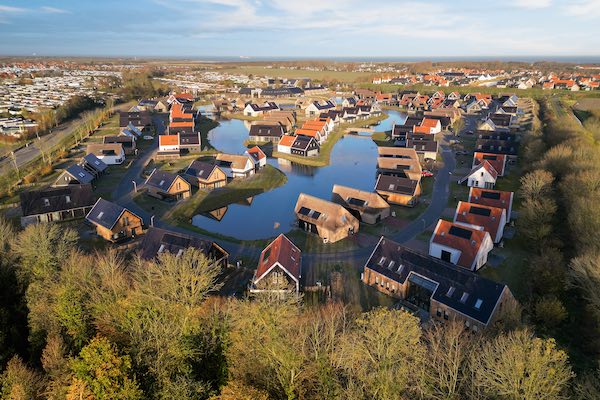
x: 123, y: 195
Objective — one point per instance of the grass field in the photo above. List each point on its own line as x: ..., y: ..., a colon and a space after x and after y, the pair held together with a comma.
x: 239, y: 189
x: 342, y: 76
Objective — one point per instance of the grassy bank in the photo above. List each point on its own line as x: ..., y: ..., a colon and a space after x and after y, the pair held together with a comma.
x: 202, y: 201
x: 323, y: 158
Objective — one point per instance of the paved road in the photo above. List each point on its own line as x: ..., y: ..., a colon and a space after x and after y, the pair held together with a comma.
x: 29, y: 153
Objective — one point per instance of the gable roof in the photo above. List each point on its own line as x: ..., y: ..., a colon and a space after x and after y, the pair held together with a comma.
x: 368, y: 202
x: 408, y: 263
x: 284, y: 252
x: 102, y: 149
x: 77, y: 172
x: 168, y: 140
x: 35, y: 202
x: 157, y: 241
x: 489, y: 218
x: 497, y: 161
x: 106, y: 213
x: 287, y: 140
x: 200, y: 169
x: 324, y: 213
x: 486, y: 166
x: 235, y: 161
x: 162, y: 180
x: 271, y: 130
x: 467, y: 240
x: 94, y: 162
x: 256, y: 153
x: 302, y: 142
x: 492, y: 198
x: 397, y: 185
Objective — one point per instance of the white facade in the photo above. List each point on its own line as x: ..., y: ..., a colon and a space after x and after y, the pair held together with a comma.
x: 435, y: 250
x: 480, y: 178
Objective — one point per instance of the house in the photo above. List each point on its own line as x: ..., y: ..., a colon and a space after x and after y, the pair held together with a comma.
x: 305, y: 146
x: 180, y: 98
x: 453, y: 96
x: 492, y: 198
x: 433, y: 125
x: 55, y: 204
x: 491, y: 219
x: 159, y: 241
x: 319, y: 136
x: 399, y: 161
x: 473, y: 107
x: 330, y: 221
x: 110, y: 153
x: 333, y: 115
x: 397, y: 190
x: 165, y: 185
x: 168, y: 144
x: 131, y: 131
x: 113, y: 222
x: 349, y: 102
x: 74, y: 175
x: 254, y: 110
x: 488, y: 125
x: 279, y: 267
x: 460, y: 245
x: 153, y: 105
x: 205, y: 175
x: 426, y: 147
x: 262, y: 133
x: 368, y: 207
x: 139, y: 119
x: 508, y: 147
x: 258, y: 156
x: 190, y: 142
x: 93, y: 165
x: 322, y: 126
x: 443, y: 290
x: 127, y: 142
x: 498, y: 161
x: 481, y: 176
x: 235, y: 166
x: 316, y: 108
x: 285, y: 144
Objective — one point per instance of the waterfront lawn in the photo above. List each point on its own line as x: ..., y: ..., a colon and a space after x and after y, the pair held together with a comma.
x: 324, y: 154
x: 239, y: 189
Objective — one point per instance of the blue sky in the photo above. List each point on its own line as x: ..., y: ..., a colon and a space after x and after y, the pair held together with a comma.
x: 300, y: 28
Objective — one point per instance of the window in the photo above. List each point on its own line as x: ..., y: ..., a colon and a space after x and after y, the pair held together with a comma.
x: 68, y: 199
x: 478, y: 304
x: 46, y: 202
x: 467, y: 324
x: 126, y: 221
x: 376, y: 279
x: 439, y: 313
x: 446, y: 316
x: 450, y: 291
x: 381, y: 260
x: 100, y: 214
x: 464, y: 297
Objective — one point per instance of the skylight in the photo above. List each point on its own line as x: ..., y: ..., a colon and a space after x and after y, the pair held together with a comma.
x: 464, y: 297
x: 450, y: 291
x: 478, y: 303
x: 100, y: 214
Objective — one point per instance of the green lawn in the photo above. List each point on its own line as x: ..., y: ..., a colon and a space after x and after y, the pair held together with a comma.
x: 239, y: 189
x: 106, y: 184
x: 323, y: 158
x: 342, y: 76
x: 511, y: 271
x: 313, y: 243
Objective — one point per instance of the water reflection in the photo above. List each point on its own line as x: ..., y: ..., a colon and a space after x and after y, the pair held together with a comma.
x: 353, y: 163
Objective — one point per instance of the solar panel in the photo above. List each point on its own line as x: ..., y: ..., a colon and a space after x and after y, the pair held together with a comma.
x: 304, y: 211
x: 488, y: 157
x: 460, y: 232
x: 356, y: 202
x: 480, y: 211
x: 176, y: 240
x: 491, y: 195
x: 316, y: 215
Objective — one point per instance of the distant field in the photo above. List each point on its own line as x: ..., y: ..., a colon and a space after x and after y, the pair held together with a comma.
x: 341, y: 76
x: 588, y: 104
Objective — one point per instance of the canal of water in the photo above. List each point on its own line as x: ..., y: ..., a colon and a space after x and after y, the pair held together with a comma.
x: 353, y: 163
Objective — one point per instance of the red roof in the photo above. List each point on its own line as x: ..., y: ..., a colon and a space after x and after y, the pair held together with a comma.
x: 468, y: 246
x: 257, y: 153
x: 283, y: 252
x: 421, y: 129
x: 498, y: 161
x: 430, y: 122
x: 168, y: 140
x: 307, y: 132
x: 492, y: 198
x: 467, y: 213
x: 287, y: 140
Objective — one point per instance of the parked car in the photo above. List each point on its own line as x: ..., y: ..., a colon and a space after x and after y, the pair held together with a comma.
x: 426, y: 173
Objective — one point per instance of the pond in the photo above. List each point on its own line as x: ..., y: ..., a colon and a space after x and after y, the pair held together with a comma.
x: 353, y: 163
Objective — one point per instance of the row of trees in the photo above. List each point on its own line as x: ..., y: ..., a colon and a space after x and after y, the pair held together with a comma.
x: 560, y: 217
x: 102, y: 326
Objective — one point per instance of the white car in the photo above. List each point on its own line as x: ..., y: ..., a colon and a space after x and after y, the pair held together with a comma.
x: 148, y: 137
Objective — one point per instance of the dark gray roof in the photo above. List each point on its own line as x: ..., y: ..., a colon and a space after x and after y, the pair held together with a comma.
x: 186, y: 138
x: 54, y: 199
x: 105, y: 213
x: 422, y: 145
x: 77, y: 172
x: 200, y: 169
x: 161, y: 179
x: 444, y: 274
x: 496, y: 146
x: 395, y: 184
x: 158, y: 241
x: 302, y: 142
x: 94, y: 162
x: 266, y: 130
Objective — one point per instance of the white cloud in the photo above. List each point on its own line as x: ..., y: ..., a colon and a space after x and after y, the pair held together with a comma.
x: 532, y: 4
x: 53, y: 10
x: 584, y: 8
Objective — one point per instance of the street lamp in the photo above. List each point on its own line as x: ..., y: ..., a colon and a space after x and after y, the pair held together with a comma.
x: 134, y: 186
x: 152, y: 220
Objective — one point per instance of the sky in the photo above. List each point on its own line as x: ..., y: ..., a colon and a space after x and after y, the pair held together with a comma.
x: 300, y: 28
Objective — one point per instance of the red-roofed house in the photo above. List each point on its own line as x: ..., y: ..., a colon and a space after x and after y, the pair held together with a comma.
x: 491, y: 219
x: 280, y: 265
x: 464, y: 246
x: 482, y: 176
x: 434, y: 125
x: 498, y: 161
x: 285, y: 144
x: 258, y: 156
x: 492, y: 198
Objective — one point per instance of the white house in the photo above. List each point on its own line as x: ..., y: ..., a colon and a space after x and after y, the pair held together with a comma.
x: 476, y: 216
x: 467, y: 247
x: 316, y: 108
x: 482, y: 176
x: 108, y: 153
x: 168, y: 143
x: 236, y: 166
x: 285, y: 144
x: 258, y: 156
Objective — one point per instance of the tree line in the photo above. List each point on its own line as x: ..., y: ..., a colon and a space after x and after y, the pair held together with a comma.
x: 112, y: 326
